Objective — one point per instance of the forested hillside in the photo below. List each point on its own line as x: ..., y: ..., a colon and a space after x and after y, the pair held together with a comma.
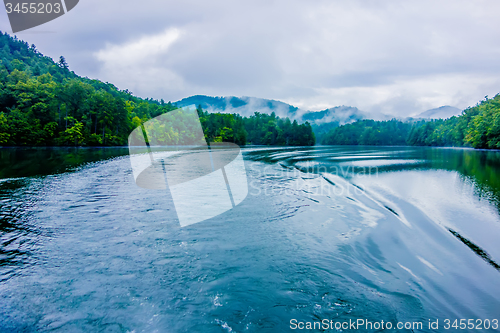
x: 43, y: 103
x: 369, y: 132
x: 259, y: 129
x: 477, y: 126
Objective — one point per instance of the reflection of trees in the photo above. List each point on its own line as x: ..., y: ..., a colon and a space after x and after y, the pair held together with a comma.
x: 479, y: 167
x: 482, y: 168
x: 27, y: 162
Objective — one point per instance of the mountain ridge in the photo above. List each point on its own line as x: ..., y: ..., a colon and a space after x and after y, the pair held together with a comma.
x: 341, y: 115
x: 247, y: 106
x: 442, y: 112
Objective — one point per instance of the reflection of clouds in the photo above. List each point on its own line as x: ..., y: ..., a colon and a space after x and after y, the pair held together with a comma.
x: 379, y: 163
x: 445, y: 199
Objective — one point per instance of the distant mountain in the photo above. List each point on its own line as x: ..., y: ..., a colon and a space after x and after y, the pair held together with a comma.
x: 247, y: 106
x: 443, y: 112
x: 341, y: 114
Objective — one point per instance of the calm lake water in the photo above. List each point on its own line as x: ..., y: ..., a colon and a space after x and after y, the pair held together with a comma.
x: 376, y: 233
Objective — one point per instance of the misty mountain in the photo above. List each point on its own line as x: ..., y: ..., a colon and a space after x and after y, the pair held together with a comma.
x: 247, y: 106
x: 443, y: 112
x: 340, y: 114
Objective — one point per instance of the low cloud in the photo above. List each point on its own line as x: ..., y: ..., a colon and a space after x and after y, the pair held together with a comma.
x: 139, y: 51
x: 137, y: 64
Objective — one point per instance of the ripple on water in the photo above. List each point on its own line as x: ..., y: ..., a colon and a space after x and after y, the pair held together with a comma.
x: 88, y: 250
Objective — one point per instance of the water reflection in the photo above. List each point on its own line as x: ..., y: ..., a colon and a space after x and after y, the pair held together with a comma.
x: 84, y: 249
x: 28, y: 162
x: 481, y: 167
x: 389, y: 175
x: 18, y: 232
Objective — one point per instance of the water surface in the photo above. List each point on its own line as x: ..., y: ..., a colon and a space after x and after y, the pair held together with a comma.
x: 393, y: 234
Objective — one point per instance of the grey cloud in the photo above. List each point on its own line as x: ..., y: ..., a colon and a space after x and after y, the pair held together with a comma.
x: 380, y: 56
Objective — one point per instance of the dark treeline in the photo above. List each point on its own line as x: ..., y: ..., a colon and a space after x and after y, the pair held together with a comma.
x: 259, y: 129
x: 369, y: 132
x: 266, y: 129
x: 477, y: 126
x: 321, y: 130
x: 43, y: 103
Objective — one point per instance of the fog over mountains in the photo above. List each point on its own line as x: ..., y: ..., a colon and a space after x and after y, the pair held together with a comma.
x: 247, y: 106
x: 442, y: 112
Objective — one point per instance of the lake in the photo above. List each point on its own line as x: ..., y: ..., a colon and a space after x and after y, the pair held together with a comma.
x: 400, y: 234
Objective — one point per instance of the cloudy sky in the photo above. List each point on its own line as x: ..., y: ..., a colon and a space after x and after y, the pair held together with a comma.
x: 395, y: 57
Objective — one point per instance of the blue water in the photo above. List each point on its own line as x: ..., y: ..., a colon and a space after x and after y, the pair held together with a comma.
x: 337, y: 233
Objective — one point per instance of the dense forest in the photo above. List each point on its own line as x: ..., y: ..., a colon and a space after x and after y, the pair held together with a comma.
x: 369, y: 132
x: 477, y: 126
x: 43, y: 103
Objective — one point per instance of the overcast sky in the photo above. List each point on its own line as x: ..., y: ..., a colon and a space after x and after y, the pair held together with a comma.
x: 395, y: 57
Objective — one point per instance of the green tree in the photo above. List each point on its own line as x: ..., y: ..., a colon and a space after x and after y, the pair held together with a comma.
x: 62, y: 63
x: 73, y: 135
